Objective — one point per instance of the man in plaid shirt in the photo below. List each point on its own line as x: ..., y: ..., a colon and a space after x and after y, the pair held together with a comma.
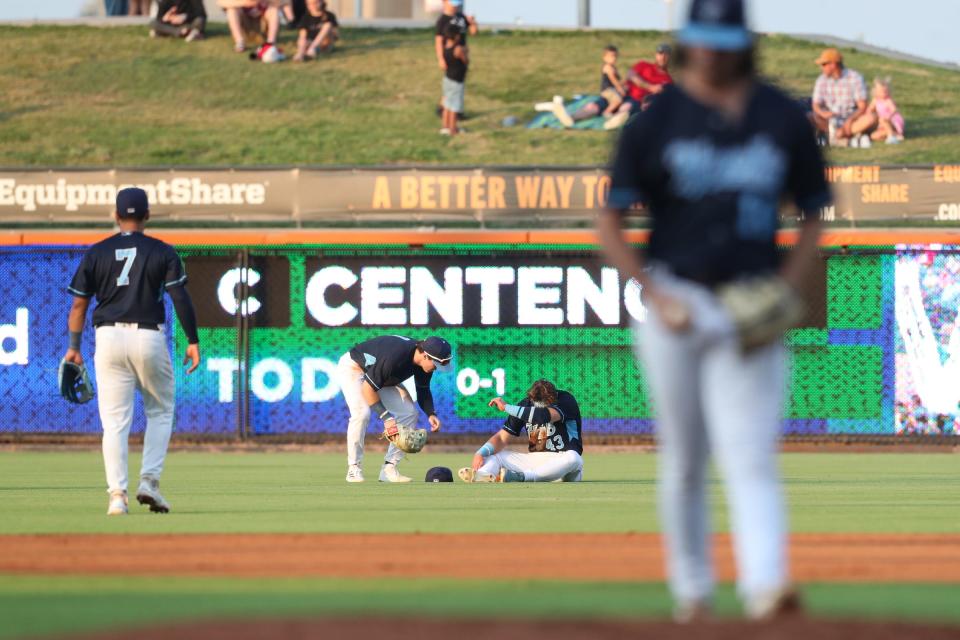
x: 840, y: 102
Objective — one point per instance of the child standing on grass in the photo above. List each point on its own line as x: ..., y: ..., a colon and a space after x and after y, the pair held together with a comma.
x: 890, y: 123
x: 457, y: 61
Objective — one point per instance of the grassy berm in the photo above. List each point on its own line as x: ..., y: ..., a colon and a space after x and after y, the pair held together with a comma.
x: 85, y: 96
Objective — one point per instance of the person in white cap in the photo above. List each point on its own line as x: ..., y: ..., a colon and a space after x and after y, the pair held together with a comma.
x: 712, y: 159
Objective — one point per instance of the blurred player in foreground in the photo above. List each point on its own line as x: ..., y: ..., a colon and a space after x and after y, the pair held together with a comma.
x: 712, y: 159
x: 371, y: 376
x: 554, y: 429
x: 129, y: 273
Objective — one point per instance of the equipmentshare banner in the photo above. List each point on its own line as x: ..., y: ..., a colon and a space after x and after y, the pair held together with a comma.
x: 876, y: 358
x: 863, y: 192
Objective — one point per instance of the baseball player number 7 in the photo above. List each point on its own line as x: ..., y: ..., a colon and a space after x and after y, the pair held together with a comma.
x: 128, y: 255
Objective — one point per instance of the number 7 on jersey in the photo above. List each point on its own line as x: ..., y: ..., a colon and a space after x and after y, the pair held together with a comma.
x: 128, y: 256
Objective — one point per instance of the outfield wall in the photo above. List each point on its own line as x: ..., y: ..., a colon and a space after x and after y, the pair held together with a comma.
x: 923, y: 194
x: 879, y: 354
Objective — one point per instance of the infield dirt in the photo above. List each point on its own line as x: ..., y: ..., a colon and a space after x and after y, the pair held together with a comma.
x: 599, y: 557
x: 420, y: 629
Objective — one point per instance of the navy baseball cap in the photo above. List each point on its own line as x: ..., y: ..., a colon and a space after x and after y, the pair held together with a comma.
x: 132, y: 203
x: 439, y: 474
x: 438, y: 349
x: 716, y: 24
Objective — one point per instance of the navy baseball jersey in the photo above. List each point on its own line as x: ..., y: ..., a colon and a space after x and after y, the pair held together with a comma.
x: 563, y: 435
x: 714, y: 187
x: 388, y: 360
x: 128, y: 273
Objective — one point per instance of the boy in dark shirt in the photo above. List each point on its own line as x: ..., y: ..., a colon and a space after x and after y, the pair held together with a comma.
x: 456, y: 60
x: 319, y: 30
x: 452, y: 14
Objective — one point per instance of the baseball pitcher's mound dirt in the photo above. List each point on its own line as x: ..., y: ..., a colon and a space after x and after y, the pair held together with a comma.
x: 426, y: 629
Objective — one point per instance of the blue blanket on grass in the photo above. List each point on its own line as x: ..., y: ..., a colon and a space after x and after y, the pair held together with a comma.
x: 546, y: 120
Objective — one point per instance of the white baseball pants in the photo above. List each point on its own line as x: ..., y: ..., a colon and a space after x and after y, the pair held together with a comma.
x: 537, y: 466
x: 350, y: 378
x: 128, y: 359
x: 707, y: 395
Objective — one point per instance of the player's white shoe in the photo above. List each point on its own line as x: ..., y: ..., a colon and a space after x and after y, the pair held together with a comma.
x: 467, y: 474
x: 693, y: 611
x: 390, y: 473
x: 118, y: 504
x: 148, y: 493
x: 774, y: 605
x: 354, y: 473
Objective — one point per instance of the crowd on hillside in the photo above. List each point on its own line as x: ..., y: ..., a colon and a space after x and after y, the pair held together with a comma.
x: 841, y: 110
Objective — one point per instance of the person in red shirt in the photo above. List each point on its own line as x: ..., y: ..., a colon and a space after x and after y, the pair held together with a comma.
x: 647, y: 79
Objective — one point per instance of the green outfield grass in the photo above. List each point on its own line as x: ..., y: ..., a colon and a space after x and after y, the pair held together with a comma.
x: 36, y: 606
x: 62, y: 492
x: 55, y: 492
x: 83, y: 96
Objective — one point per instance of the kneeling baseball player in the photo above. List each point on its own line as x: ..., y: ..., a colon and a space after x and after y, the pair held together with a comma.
x: 554, y: 428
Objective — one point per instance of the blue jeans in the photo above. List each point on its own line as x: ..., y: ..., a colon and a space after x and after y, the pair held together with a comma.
x: 116, y: 7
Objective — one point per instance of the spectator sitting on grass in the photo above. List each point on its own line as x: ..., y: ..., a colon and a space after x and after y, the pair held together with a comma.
x: 611, y: 102
x: 647, y: 79
x: 319, y: 30
x: 890, y: 123
x: 254, y: 20
x: 840, y: 102
x: 179, y: 19
x: 456, y: 62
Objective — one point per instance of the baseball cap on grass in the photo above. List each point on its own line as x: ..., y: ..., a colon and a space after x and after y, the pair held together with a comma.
x: 439, y: 350
x: 439, y: 474
x: 132, y: 203
x: 716, y: 24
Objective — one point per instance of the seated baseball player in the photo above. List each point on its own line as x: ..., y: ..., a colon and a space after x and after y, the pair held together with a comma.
x: 554, y: 428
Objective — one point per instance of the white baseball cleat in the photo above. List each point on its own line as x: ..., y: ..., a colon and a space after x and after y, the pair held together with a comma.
x: 118, y: 504
x: 148, y: 493
x: 354, y: 473
x: 390, y: 473
x: 776, y: 604
x: 467, y: 474
x: 693, y: 611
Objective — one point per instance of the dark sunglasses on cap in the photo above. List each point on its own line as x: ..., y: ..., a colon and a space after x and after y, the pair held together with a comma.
x: 441, y: 361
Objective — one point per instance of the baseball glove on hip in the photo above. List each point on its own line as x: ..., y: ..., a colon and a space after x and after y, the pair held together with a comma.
x: 406, y: 439
x: 75, y: 385
x: 762, y: 309
x: 538, y: 437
